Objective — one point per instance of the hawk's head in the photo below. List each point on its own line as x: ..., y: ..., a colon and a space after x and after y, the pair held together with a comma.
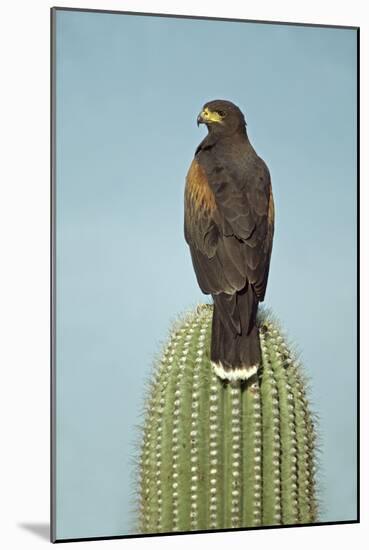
x: 222, y: 117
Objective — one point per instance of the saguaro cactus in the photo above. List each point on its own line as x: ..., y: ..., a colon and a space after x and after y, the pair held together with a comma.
x: 215, y: 454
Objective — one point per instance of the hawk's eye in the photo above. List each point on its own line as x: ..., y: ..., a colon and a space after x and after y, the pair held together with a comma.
x: 221, y: 113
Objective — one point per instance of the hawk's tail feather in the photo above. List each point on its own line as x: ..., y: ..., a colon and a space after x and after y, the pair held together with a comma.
x: 234, y: 373
x: 235, y: 354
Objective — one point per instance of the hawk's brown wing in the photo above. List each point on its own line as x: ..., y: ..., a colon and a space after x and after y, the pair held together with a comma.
x: 229, y: 222
x: 202, y: 231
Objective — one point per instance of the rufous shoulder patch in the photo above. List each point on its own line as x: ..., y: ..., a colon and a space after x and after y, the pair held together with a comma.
x: 271, y: 208
x: 197, y: 187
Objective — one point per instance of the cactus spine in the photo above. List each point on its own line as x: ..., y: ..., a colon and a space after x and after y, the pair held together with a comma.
x: 218, y: 455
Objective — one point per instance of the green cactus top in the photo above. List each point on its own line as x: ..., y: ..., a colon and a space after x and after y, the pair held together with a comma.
x: 215, y: 454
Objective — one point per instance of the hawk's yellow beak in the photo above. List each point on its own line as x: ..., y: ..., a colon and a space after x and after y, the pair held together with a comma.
x: 206, y: 117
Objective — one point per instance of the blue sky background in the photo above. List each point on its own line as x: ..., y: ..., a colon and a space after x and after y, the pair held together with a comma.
x: 128, y: 90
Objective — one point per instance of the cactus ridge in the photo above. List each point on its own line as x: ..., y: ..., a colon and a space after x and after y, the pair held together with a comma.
x: 220, y: 455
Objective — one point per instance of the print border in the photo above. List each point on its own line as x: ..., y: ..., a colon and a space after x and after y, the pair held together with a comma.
x: 53, y: 304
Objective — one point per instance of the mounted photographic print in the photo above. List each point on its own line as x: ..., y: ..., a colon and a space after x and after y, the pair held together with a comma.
x: 204, y: 274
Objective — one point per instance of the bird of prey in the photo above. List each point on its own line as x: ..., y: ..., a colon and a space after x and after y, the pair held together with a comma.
x: 229, y: 227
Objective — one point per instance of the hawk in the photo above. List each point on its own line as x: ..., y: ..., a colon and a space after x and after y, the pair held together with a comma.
x: 229, y: 227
